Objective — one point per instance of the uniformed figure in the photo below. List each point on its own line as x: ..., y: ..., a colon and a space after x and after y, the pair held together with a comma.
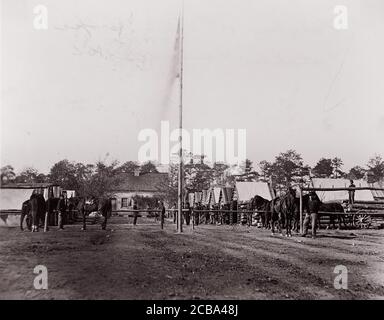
x: 187, y: 214
x: 61, y: 209
x: 311, y: 214
x: 135, y: 213
x: 174, y: 211
x: 162, y: 214
x: 351, y: 193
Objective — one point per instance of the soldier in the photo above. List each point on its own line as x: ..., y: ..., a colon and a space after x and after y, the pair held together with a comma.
x: 61, y: 209
x: 174, y: 212
x: 351, y: 193
x: 311, y: 213
x: 135, y: 213
x: 162, y: 214
x: 188, y: 214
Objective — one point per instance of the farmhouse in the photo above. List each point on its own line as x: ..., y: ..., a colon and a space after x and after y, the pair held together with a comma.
x: 143, y: 185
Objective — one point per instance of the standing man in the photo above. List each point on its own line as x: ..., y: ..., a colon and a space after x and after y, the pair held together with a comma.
x: 174, y: 212
x: 61, y: 209
x: 351, y: 192
x: 188, y: 214
x: 311, y: 213
x: 162, y: 214
x: 135, y: 213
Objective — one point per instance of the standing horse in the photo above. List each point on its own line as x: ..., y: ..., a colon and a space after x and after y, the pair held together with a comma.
x: 26, y: 213
x: 285, y: 207
x: 37, y: 203
x: 264, y: 207
x: 105, y: 208
x: 85, y: 207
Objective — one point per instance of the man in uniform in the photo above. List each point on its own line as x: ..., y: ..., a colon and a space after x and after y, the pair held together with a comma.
x: 135, y: 213
x: 187, y: 214
x: 162, y: 214
x: 61, y: 209
x: 351, y: 192
x: 311, y: 213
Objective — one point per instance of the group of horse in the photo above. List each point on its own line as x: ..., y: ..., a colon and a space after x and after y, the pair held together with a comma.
x: 38, y: 212
x: 281, y: 213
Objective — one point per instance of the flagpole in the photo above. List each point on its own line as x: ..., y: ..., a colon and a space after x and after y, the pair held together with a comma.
x: 180, y: 177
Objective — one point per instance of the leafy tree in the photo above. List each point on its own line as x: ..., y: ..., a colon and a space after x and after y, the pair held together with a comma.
x: 266, y: 169
x: 65, y: 173
x: 148, y: 167
x: 337, y: 164
x: 198, y: 176
x: 323, y: 168
x: 375, y: 169
x: 356, y: 173
x: 128, y: 167
x: 7, y: 174
x: 102, y: 180
x: 28, y: 175
x: 218, y: 173
x: 248, y: 173
x: 288, y: 167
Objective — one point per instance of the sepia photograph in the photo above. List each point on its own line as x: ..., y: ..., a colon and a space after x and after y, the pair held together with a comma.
x: 187, y: 151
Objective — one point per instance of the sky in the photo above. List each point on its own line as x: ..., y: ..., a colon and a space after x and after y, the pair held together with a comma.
x: 84, y: 88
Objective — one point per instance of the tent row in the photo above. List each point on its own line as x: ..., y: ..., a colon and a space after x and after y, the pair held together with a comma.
x: 242, y: 192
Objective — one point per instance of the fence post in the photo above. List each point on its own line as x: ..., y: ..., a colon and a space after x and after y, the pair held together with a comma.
x: 301, y: 210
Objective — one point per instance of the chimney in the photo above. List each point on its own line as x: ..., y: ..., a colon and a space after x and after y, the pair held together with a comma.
x: 136, y: 172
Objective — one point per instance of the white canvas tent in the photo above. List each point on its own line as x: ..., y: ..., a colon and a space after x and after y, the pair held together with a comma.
x: 191, y: 199
x: 215, y: 195
x: 339, y: 196
x: 247, y: 190
x: 12, y: 199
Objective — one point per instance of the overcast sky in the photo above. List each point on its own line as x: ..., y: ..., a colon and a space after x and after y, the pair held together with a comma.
x: 99, y: 74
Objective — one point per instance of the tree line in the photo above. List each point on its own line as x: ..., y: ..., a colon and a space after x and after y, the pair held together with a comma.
x: 287, y: 168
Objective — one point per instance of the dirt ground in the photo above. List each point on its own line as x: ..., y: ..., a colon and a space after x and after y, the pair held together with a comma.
x: 209, y: 262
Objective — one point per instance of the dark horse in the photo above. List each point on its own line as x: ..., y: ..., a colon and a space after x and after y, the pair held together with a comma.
x: 102, y: 205
x: 284, y: 207
x: 26, y: 213
x: 37, y: 207
x: 105, y: 208
x: 263, y: 207
x: 85, y: 207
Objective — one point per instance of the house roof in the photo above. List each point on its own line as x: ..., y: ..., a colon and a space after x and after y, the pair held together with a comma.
x: 149, y: 182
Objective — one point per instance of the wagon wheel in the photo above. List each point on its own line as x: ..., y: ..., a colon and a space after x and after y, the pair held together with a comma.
x: 362, y: 221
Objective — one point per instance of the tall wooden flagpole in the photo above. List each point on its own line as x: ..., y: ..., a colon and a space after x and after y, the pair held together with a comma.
x: 180, y: 177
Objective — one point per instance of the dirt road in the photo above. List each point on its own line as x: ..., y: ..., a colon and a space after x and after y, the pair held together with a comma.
x: 210, y: 262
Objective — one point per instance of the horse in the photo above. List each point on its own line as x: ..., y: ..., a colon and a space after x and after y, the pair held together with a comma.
x: 264, y: 207
x: 105, y: 208
x: 85, y: 207
x: 26, y: 214
x: 37, y: 208
x: 284, y: 207
x: 334, y: 207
